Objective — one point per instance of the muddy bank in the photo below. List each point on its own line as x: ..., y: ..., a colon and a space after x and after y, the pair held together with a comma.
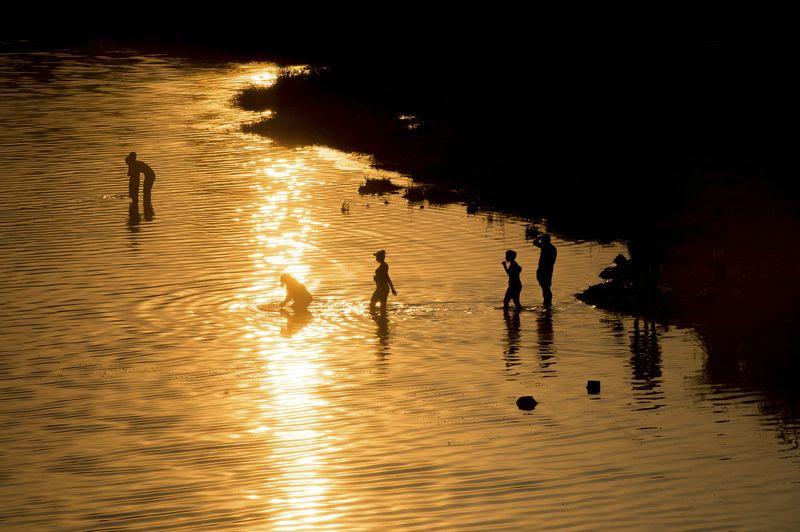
x: 730, y: 270
x: 734, y: 276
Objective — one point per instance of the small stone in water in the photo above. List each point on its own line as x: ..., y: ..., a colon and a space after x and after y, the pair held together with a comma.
x: 526, y: 402
x: 593, y: 386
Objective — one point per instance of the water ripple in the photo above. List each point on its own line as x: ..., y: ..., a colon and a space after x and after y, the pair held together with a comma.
x: 149, y: 373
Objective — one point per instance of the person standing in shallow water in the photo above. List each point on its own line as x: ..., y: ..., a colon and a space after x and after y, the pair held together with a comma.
x: 382, y: 283
x: 513, y: 271
x: 135, y: 168
x: 544, y: 273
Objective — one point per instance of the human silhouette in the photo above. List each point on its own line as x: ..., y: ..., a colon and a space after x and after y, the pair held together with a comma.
x: 136, y: 168
x: 620, y: 275
x: 382, y: 283
x: 646, y: 262
x: 514, y: 283
x: 547, y: 260
x: 295, y: 291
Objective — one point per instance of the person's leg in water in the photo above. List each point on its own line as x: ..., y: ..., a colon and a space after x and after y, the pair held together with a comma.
x: 384, y: 299
x: 515, y: 297
x: 545, y: 281
x: 133, y: 189
x: 148, y: 187
x: 149, y: 212
x: 373, y: 301
x: 379, y: 296
x: 512, y: 294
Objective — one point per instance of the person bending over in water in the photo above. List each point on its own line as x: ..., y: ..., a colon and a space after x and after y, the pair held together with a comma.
x: 544, y: 273
x: 295, y: 291
x: 382, y: 283
x: 514, y: 283
x: 135, y: 168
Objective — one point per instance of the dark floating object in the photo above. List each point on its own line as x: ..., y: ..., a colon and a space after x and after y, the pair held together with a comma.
x: 378, y: 185
x: 432, y: 193
x: 593, y: 386
x: 415, y: 193
x: 526, y: 402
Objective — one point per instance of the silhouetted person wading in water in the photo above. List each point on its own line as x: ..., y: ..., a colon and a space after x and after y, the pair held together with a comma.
x: 135, y: 168
x: 544, y: 273
x: 382, y: 283
x: 295, y: 291
x: 514, y: 283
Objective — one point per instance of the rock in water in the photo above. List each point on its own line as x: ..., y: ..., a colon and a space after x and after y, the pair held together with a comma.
x: 526, y: 402
x: 593, y: 386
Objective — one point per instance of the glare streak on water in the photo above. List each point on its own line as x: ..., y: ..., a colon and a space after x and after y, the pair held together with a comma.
x: 147, y: 379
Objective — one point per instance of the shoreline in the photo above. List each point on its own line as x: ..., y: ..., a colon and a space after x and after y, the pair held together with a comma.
x: 689, y: 218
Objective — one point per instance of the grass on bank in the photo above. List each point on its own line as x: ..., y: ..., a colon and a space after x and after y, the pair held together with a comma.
x: 290, y: 82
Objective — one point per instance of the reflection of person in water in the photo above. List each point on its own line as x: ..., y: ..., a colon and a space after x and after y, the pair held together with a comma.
x: 382, y: 283
x: 295, y: 321
x: 544, y: 329
x: 295, y: 291
x: 512, y: 337
x: 514, y: 283
x: 133, y: 217
x: 383, y: 335
x: 645, y: 355
x: 547, y: 260
x: 136, y: 168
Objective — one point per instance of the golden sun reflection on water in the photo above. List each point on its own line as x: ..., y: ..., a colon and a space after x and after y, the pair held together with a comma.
x: 281, y: 225
x: 268, y: 77
x: 299, y: 445
x: 282, y: 229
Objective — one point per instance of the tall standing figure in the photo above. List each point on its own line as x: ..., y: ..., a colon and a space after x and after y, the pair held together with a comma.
x: 513, y: 271
x: 544, y: 273
x: 382, y: 283
x: 135, y: 168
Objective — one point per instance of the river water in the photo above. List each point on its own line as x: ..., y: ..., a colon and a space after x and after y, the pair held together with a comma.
x: 149, y: 380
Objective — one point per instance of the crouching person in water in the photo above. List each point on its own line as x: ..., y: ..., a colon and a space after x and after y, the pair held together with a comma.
x: 295, y: 291
x: 514, y: 283
x: 382, y: 283
x: 135, y: 168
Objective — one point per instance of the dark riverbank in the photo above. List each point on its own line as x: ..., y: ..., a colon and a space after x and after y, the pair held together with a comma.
x: 692, y: 166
